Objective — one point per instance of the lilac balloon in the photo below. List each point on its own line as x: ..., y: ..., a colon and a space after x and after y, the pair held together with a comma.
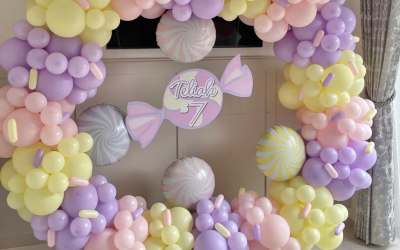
x: 309, y: 32
x: 98, y: 224
x: 210, y: 240
x: 169, y: 5
x: 106, y: 192
x: 346, y: 40
x: 329, y: 155
x: 182, y: 13
x: 313, y: 149
x: 207, y: 9
x: 80, y: 227
x: 108, y: 210
x: 367, y: 183
x: 231, y: 226
x: 204, y: 207
x: 225, y: 205
x: 359, y: 177
x: 13, y: 53
x: 237, y: 241
x: 363, y: 160
x: 235, y: 218
x: 325, y: 58
x: 21, y: 29
x: 286, y: 48
x: 39, y: 223
x: 56, y: 63
x: 347, y: 155
x: 182, y: 2
x: 79, y: 198
x: 343, y: 170
x: 300, y: 61
x: 38, y: 38
x: 54, y: 87
x: 306, y: 49
x: 204, y: 222
x: 66, y: 241
x: 315, y: 174
x: 353, y: 47
x: 18, y: 77
x: 97, y: 180
x: 78, y: 67
x: 77, y: 95
x: 330, y: 43
x: 220, y: 215
x: 340, y: 2
x: 92, y: 52
x: 331, y: 11
x: 90, y: 81
x: 91, y: 93
x: 336, y: 27
x: 347, y: 15
x: 58, y: 220
x: 40, y: 235
x: 69, y: 47
x: 341, y: 190
x: 194, y: 231
x: 36, y: 58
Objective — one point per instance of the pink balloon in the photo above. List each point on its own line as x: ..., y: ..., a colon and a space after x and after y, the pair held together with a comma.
x: 278, y: 31
x: 235, y: 204
x: 35, y: 102
x: 346, y: 126
x: 320, y: 121
x: 352, y: 110
x: 294, y: 1
x: 330, y: 112
x: 140, y: 228
x: 278, y: 232
x: 128, y: 203
x: 1, y: 125
x: 6, y: 149
x: 309, y: 133
x: 141, y: 202
x: 163, y: 1
x: 4, y: 90
x: 368, y: 123
x: 263, y: 24
x: 359, y: 133
x: 246, y: 198
x: 69, y: 128
x: 332, y: 137
x: 145, y: 4
x: 253, y: 193
x: 247, y: 21
x: 370, y: 104
x: 255, y: 215
x: 307, y: 117
x: 6, y: 108
x: 299, y: 115
x: 154, y: 12
x: 54, y: 104
x: 16, y: 96
x: 247, y: 230
x: 275, y: 206
x: 137, y: 246
x: 51, y: 116
x: 276, y: 12
x: 292, y: 244
x: 124, y: 239
x: 368, y: 133
x: 265, y: 205
x: 123, y: 220
x: 255, y: 245
x: 244, y: 207
x: 364, y: 107
x: 126, y: 9
x: 51, y: 135
x: 103, y: 240
x: 301, y: 14
x: 67, y: 106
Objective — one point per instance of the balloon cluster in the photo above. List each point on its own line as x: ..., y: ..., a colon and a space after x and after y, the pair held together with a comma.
x: 182, y: 10
x: 310, y: 212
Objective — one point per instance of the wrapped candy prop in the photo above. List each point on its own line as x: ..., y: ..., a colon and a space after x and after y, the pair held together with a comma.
x: 106, y: 124
x: 187, y: 181
x: 310, y: 212
x: 192, y: 100
x: 169, y: 228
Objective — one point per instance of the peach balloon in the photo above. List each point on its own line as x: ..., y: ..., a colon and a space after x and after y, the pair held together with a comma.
x: 364, y: 107
x: 145, y: 4
x: 275, y: 206
x: 253, y: 193
x: 276, y: 12
x: 246, y: 197
x: 299, y: 115
x: 255, y: 215
x: 255, y: 245
x: 301, y: 14
x: 28, y: 127
x: 352, y: 110
x: 319, y: 121
x: 247, y: 21
x: 54, y: 104
x: 292, y: 244
x: 346, y: 126
x: 4, y: 90
x: 103, y: 240
x: 263, y: 24
x: 278, y: 31
x: 235, y: 204
x: 359, y: 133
x: 124, y: 239
x: 368, y: 123
x: 35, y: 102
x: 309, y: 133
x: 138, y: 246
x: 247, y: 230
x: 307, y: 117
x: 69, y: 128
x: 123, y: 220
x: 51, y: 135
x: 265, y: 205
x: 67, y: 106
x: 6, y: 108
x: 332, y: 137
x: 330, y: 112
x: 128, y: 203
x: 371, y: 105
x: 244, y: 207
x: 368, y: 133
x: 16, y: 96
x: 51, y: 116
x: 126, y: 9
x: 278, y: 232
x: 140, y: 228
x: 6, y: 149
x: 154, y: 12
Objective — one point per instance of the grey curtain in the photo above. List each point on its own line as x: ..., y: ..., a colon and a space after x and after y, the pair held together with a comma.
x: 380, y: 21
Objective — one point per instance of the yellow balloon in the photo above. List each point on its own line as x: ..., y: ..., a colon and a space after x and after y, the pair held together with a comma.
x: 156, y: 227
x: 334, y: 215
x: 154, y: 244
x: 37, y: 178
x: 304, y: 245
x: 362, y: 71
x: 298, y: 75
x: 328, y: 239
x: 65, y: 18
x: 157, y: 211
x: 306, y: 193
x: 58, y: 183
x: 256, y: 8
x: 238, y: 7
x: 15, y: 201
x: 182, y: 219
x: 343, y: 79
x: 42, y: 201
x: 17, y: 184
x: 311, y: 235
x: 78, y: 165
x: 347, y: 56
x: 313, y: 104
x: 170, y: 235
x: 85, y: 142
x: 6, y: 172
x: 328, y: 98
x: 315, y: 72
x: 297, y: 181
x: 101, y: 36
x: 23, y: 157
x: 36, y: 16
x: 95, y: 19
x: 323, y: 198
x: 292, y: 214
x: 286, y: 71
x: 359, y: 59
x: 44, y: 3
x: 288, y: 196
x: 288, y: 96
x: 357, y: 87
x: 344, y: 210
x: 146, y: 214
x: 112, y: 20
x: 226, y: 13
x: 343, y: 99
x: 311, y: 88
x: 25, y: 214
x: 275, y: 189
x: 53, y: 162
x: 30, y: 4
x: 173, y: 247
x: 68, y: 146
x: 98, y: 4
x: 316, y: 217
x: 186, y: 241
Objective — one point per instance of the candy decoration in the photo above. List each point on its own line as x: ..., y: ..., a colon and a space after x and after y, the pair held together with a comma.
x: 280, y: 153
x: 218, y: 201
x: 318, y: 38
x: 51, y: 238
x: 241, y: 191
x: 338, y: 116
x: 353, y: 68
x: 331, y: 170
x: 12, y: 130
x: 188, y: 41
x: 37, y: 161
x: 370, y: 147
x: 284, y: 3
x: 257, y: 232
x: 138, y: 212
x: 96, y: 71
x: 328, y: 80
x: 370, y: 115
x: 77, y: 181
x: 222, y: 230
x: 65, y: 117
x: 33, y: 78
x: 105, y: 123
x: 339, y: 228
x: 187, y: 181
x: 90, y: 214
x: 167, y: 217
x: 306, y: 210
x: 84, y: 4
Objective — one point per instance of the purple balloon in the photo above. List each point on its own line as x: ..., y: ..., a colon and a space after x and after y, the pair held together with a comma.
x: 39, y: 223
x: 13, y: 53
x: 346, y: 41
x: 300, y: 61
x: 340, y: 2
x: 210, y: 240
x: 56, y: 63
x: 204, y: 222
x: 182, y: 2
x: 79, y: 198
x: 347, y: 155
x: 325, y: 58
x: 21, y: 29
x: 80, y: 227
x: 331, y: 11
x: 207, y: 9
x: 195, y: 232
x: 90, y: 81
x: 315, y: 174
x: 225, y: 205
x: 97, y: 180
x: 343, y: 170
x: 77, y: 95
x: 66, y: 241
x: 341, y: 190
x: 235, y: 218
x: 306, y: 49
x: 367, y: 182
x: 18, y: 77
x: 231, y: 226
x: 36, y: 58
x: 219, y: 215
x: 336, y: 27
x: 313, y: 149
x: 58, y: 220
x: 348, y: 17
x: 40, y: 235
x: 237, y: 241
x: 69, y: 47
x: 330, y: 43
x: 169, y: 5
x: 38, y: 38
x: 78, y: 67
x: 91, y: 93
x: 92, y: 52
x: 107, y: 192
x: 182, y: 13
x: 309, y: 32
x: 359, y: 177
x: 108, y: 210
x: 54, y: 87
x: 204, y: 207
x: 286, y: 48
x: 98, y: 224
x: 363, y: 160
x: 353, y: 47
x: 329, y: 155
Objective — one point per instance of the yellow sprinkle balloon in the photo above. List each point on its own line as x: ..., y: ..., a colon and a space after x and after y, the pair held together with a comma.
x: 15, y: 201
x: 156, y: 227
x: 328, y: 239
x: 53, y: 162
x: 23, y: 157
x: 33, y: 78
x: 58, y: 183
x: 292, y: 214
x: 256, y: 8
x: 182, y: 219
x: 6, y: 172
x: 12, y: 130
x: 288, y: 96
x: 17, y: 184
x: 311, y: 235
x: 25, y: 214
x: 170, y: 235
x: 85, y: 142
x: 78, y: 165
x: 37, y: 178
x: 222, y: 230
x: 42, y: 201
x: 186, y: 241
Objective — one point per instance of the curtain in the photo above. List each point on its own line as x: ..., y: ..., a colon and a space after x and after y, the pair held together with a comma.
x: 380, y: 22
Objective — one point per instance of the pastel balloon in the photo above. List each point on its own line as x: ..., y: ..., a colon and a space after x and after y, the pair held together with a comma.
x: 69, y: 47
x: 301, y: 14
x: 277, y: 32
x: 315, y: 174
x: 21, y: 29
x: 154, y: 12
x: 206, y: 9
x: 13, y: 53
x: 140, y: 229
x: 332, y: 137
x: 308, y: 32
x: 341, y: 190
x: 286, y: 48
x: 102, y: 240
x: 278, y: 229
x: 16, y: 96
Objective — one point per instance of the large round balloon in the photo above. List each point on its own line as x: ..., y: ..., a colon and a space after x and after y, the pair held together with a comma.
x: 187, y: 181
x: 280, y: 153
x: 106, y: 124
x: 188, y: 41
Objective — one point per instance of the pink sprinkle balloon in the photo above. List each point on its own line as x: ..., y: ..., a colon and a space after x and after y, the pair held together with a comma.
x: 51, y: 116
x: 255, y: 215
x: 35, y: 102
x: 128, y: 203
x: 265, y: 205
x: 246, y: 198
x: 124, y: 239
x: 123, y: 220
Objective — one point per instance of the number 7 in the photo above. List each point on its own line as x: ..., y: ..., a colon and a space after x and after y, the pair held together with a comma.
x: 202, y: 106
